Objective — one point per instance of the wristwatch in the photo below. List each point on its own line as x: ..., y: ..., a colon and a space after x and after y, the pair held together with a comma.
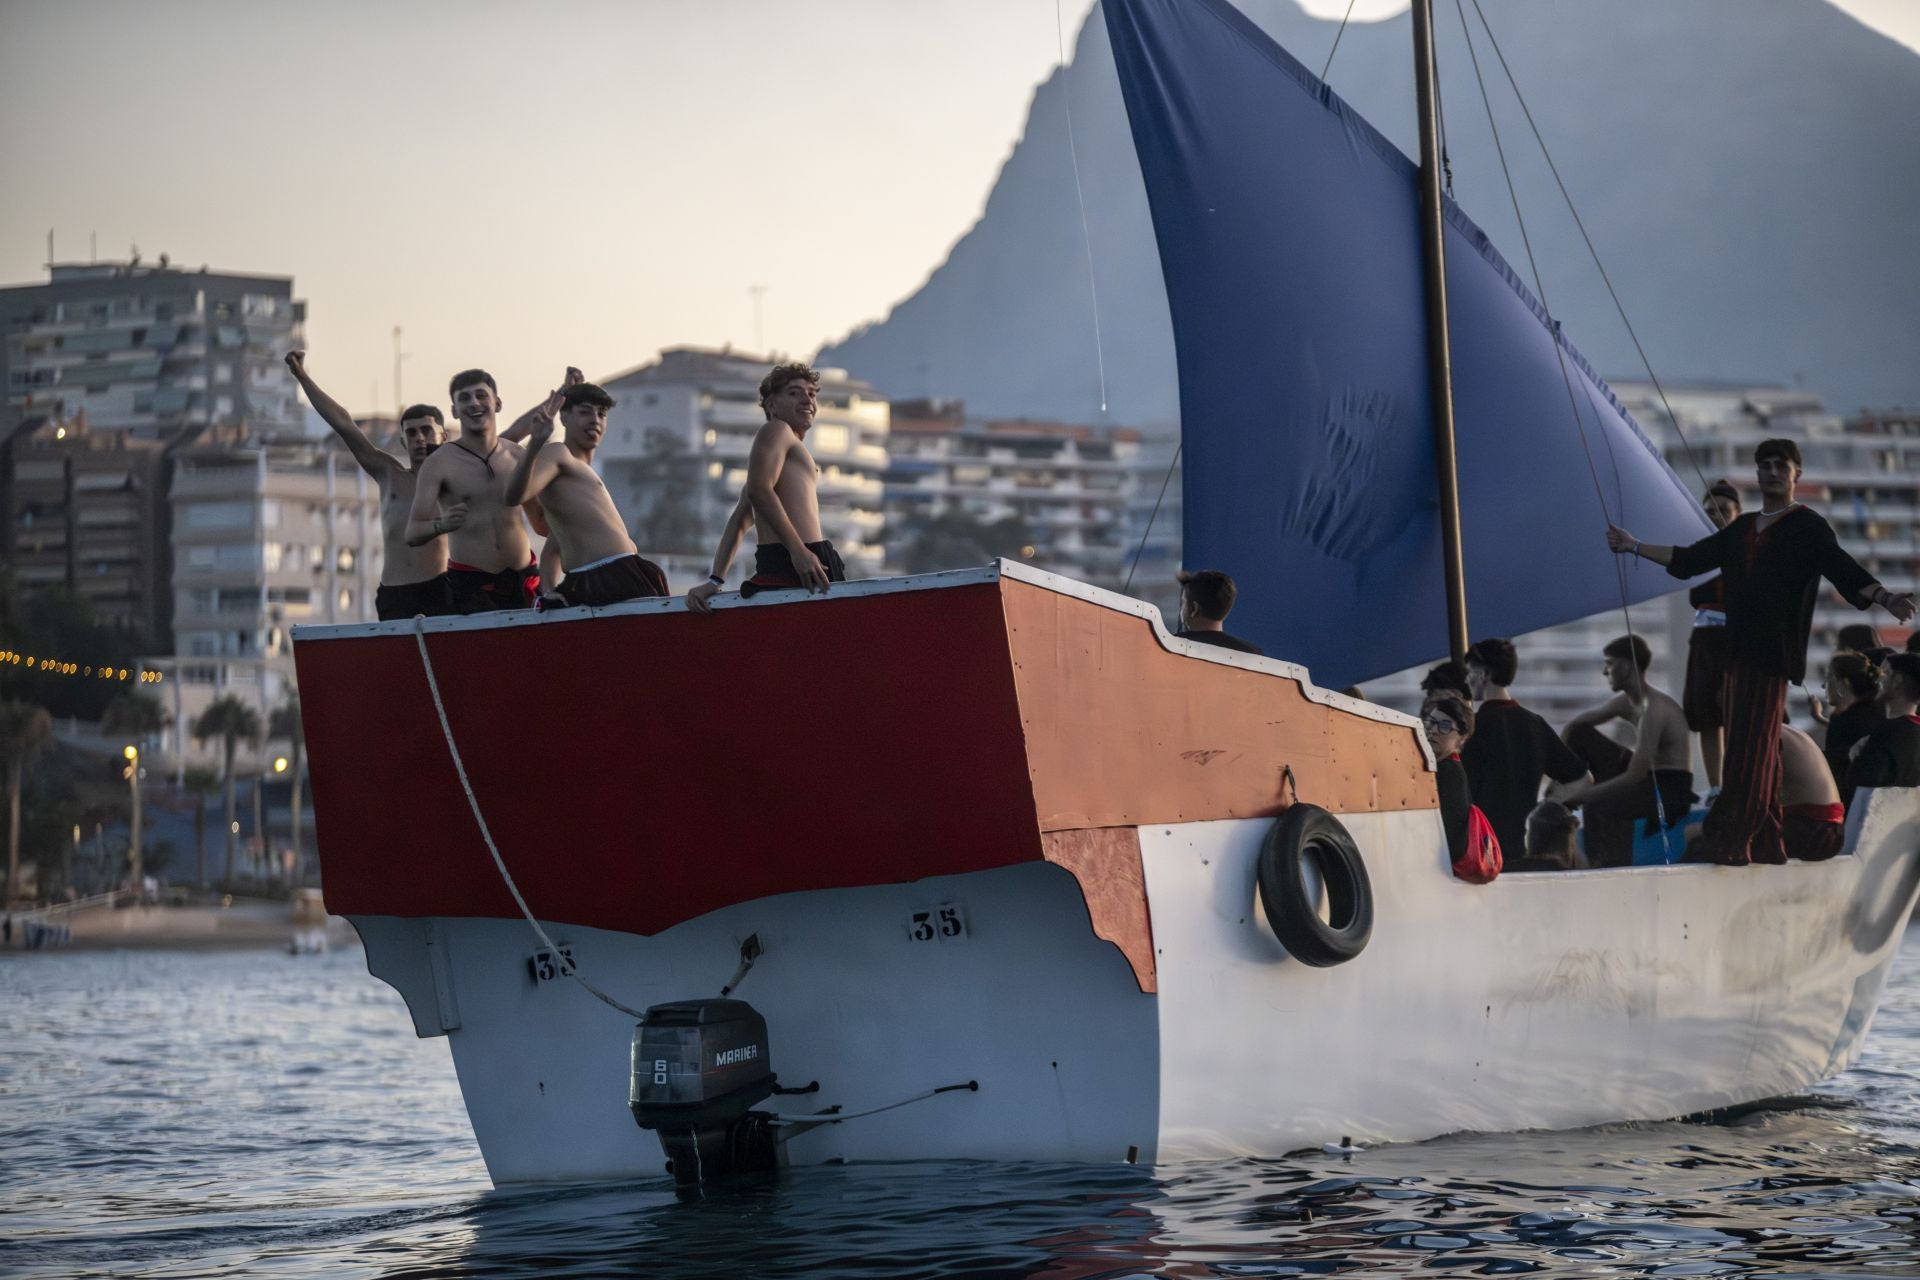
x: 716, y: 580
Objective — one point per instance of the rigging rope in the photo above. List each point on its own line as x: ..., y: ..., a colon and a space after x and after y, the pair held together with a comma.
x: 1086, y: 236
x: 1336, y: 41
x: 1672, y: 418
x: 1573, y: 400
x: 569, y: 967
x: 1126, y: 586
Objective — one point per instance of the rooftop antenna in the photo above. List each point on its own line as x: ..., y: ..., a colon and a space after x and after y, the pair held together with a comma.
x: 759, y: 291
x: 93, y: 246
x: 399, y: 400
x: 49, y: 248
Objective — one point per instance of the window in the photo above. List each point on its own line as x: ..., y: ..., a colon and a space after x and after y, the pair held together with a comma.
x: 270, y: 556
x: 223, y: 406
x: 223, y: 372
x: 237, y: 557
x: 346, y: 600
x: 345, y: 560
x: 237, y: 514
x: 270, y: 513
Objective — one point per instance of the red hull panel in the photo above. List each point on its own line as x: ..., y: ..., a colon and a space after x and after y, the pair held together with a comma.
x: 642, y: 770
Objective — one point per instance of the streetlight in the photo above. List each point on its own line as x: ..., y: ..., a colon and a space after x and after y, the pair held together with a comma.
x: 279, y: 764
x: 132, y: 754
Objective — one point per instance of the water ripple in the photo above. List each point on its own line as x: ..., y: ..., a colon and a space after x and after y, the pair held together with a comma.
x: 226, y: 1115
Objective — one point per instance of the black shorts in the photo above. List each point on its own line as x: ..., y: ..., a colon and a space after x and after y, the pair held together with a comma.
x: 476, y: 591
x: 773, y: 568
x: 1704, y: 696
x: 628, y: 578
x: 433, y: 598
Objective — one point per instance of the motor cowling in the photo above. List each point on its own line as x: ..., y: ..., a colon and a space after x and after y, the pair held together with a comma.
x: 698, y: 1067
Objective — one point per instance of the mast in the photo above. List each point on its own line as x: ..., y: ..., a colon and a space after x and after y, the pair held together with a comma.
x: 1439, y: 347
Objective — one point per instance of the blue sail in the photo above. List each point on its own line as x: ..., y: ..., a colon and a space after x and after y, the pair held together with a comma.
x: 1288, y: 231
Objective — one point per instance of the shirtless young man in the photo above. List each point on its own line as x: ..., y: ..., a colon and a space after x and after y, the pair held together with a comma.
x: 601, y: 563
x: 782, y: 490
x: 1813, y: 824
x: 461, y: 493
x: 413, y: 579
x: 1654, y: 780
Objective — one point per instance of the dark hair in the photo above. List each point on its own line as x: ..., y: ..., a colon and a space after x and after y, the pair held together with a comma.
x: 1779, y: 447
x: 1631, y: 647
x: 1455, y: 707
x: 1211, y: 591
x: 585, y: 393
x: 1723, y: 489
x: 1549, y: 828
x: 1913, y: 641
x: 1857, y: 636
x: 1445, y: 677
x: 471, y: 377
x: 422, y: 411
x: 784, y: 375
x: 1857, y: 672
x: 1498, y: 659
x: 1907, y: 667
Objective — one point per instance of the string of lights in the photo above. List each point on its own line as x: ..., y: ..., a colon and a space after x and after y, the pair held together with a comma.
x: 62, y: 667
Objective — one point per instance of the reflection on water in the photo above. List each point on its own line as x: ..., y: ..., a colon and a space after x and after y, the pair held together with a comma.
x: 228, y: 1115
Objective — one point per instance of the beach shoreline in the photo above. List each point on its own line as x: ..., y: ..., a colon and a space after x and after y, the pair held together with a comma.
x: 240, y: 925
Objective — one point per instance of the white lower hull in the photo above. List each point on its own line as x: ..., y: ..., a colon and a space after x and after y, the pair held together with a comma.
x: 1548, y: 1001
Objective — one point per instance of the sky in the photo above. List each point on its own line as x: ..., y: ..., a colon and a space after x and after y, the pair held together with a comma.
x: 525, y: 187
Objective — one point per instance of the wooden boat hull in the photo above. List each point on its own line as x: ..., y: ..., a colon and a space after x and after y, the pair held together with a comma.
x: 1110, y: 982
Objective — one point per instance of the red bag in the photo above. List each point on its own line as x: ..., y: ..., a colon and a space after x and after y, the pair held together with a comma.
x: 1481, y: 862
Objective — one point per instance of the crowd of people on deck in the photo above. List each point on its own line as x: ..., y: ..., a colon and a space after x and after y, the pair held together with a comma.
x: 1622, y: 771
x: 1774, y: 792
x: 458, y: 511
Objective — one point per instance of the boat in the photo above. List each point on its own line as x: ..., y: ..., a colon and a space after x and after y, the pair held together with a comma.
x: 987, y: 864
x: 1015, y: 842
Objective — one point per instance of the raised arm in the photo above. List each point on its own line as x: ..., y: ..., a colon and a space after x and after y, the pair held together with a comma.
x: 537, y: 466
x: 373, y: 460
x: 426, y: 521
x: 524, y: 424
x: 730, y: 537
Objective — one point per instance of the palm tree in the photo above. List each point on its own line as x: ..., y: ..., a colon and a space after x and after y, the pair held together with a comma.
x: 137, y: 716
x: 200, y: 782
x: 228, y: 719
x: 24, y: 729
x: 285, y: 723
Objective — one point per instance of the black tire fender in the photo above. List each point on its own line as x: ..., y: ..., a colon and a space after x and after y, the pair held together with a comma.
x: 1305, y: 834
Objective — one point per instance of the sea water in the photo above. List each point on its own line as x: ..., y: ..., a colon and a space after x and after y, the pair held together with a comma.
x: 260, y: 1114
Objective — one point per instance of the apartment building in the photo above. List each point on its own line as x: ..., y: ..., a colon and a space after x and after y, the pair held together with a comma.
x: 149, y: 348
x: 1077, y: 495
x: 267, y: 534
x: 87, y: 511
x: 675, y: 457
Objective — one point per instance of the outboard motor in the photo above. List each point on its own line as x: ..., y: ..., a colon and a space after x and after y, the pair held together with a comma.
x: 698, y: 1068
